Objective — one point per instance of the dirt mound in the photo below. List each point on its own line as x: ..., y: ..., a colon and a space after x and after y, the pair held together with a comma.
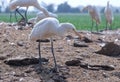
x: 110, y: 49
x: 17, y: 51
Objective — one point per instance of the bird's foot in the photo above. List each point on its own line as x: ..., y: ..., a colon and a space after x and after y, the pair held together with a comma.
x: 54, y: 70
x: 39, y: 68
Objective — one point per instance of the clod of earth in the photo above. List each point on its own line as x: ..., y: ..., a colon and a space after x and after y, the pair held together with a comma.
x: 110, y: 49
x: 5, y: 40
x: 97, y: 67
x: 116, y: 74
x: 2, y: 57
x: 88, y: 66
x: 79, y: 44
x: 73, y: 63
x: 46, y: 40
x: 24, y: 62
x: 20, y: 43
x: 69, y: 37
x: 87, y: 40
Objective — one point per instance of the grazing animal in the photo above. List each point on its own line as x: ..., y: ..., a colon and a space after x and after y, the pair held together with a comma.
x: 94, y: 15
x: 47, y: 28
x: 14, y: 4
x: 108, y: 15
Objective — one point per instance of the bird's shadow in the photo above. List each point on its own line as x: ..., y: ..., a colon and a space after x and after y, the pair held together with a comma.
x: 47, y: 73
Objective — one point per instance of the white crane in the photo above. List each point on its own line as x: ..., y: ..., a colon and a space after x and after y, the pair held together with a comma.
x: 41, y: 16
x: 14, y: 4
x: 108, y: 15
x: 95, y: 15
x: 48, y: 28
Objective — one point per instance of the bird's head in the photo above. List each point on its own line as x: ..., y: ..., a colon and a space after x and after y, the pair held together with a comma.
x: 88, y: 7
x: 12, y: 6
x: 68, y: 28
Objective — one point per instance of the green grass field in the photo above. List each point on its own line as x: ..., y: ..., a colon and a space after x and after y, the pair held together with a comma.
x: 81, y: 21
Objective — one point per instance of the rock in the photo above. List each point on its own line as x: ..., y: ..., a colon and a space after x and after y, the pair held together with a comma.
x: 24, y: 61
x: 73, y: 63
x: 117, y: 74
x: 97, y: 67
x: 5, y: 40
x: 69, y: 37
x: 79, y: 44
x: 2, y: 57
x: 20, y: 43
x: 46, y: 40
x: 87, y: 40
x: 110, y: 49
x: 105, y: 75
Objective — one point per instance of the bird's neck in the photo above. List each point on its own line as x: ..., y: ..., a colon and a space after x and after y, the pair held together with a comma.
x: 42, y: 9
x: 108, y: 4
x: 61, y: 31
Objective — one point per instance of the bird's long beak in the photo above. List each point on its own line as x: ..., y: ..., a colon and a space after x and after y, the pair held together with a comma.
x: 80, y: 36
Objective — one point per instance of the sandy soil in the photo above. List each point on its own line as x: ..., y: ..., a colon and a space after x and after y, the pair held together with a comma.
x: 14, y: 44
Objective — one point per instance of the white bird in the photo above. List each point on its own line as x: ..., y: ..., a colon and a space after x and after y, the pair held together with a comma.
x: 95, y: 15
x: 41, y: 16
x: 48, y: 28
x: 108, y: 15
x: 14, y: 4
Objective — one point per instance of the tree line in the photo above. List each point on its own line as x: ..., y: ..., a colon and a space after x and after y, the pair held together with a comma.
x: 62, y: 8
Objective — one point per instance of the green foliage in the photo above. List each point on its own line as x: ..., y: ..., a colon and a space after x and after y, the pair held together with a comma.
x: 81, y: 21
x: 6, y: 17
x: 84, y: 22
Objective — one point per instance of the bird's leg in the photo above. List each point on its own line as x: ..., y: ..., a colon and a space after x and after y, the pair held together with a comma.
x: 110, y: 26
x: 39, y: 69
x: 92, y: 25
x: 16, y: 16
x: 19, y: 13
x: 10, y: 16
x: 40, y: 62
x: 97, y: 27
x: 26, y: 20
x: 106, y: 25
x: 52, y: 49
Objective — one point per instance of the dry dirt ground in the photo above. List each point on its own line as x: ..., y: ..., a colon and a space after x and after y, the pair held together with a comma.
x: 14, y: 44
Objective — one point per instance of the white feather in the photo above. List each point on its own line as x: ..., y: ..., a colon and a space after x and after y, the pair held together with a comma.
x: 49, y: 27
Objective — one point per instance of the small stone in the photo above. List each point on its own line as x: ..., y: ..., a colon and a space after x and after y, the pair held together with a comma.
x: 21, y: 79
x: 20, y: 43
x: 2, y: 57
x: 105, y: 75
x: 5, y: 40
